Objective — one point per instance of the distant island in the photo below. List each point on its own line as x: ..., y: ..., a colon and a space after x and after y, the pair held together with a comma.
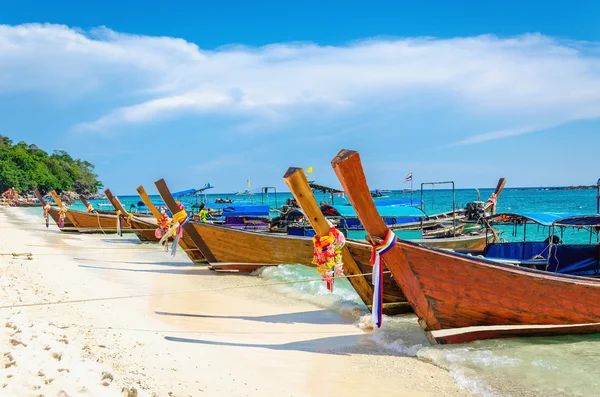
x: 26, y: 167
x: 578, y: 187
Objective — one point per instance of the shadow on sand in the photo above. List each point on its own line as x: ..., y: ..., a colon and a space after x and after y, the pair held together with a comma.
x: 309, y: 317
x: 338, y: 345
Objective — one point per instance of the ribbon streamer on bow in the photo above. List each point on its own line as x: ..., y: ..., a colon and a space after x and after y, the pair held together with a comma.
x: 119, y: 229
x: 179, y: 219
x: 377, y: 252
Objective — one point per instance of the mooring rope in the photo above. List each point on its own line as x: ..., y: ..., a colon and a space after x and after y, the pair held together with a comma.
x: 134, y: 296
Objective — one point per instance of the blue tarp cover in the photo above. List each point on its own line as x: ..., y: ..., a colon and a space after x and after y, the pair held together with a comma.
x: 541, y: 218
x: 246, y: 210
x: 579, y: 220
x: 576, y: 260
x: 516, y: 250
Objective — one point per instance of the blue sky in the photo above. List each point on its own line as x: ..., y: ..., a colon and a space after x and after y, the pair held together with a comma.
x: 203, y: 92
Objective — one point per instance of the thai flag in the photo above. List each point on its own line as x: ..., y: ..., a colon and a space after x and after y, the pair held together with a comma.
x: 408, y: 178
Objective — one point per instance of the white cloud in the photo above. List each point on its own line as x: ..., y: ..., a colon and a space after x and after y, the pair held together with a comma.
x: 520, y: 83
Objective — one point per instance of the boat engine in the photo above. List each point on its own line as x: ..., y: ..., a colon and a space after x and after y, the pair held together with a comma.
x: 475, y: 210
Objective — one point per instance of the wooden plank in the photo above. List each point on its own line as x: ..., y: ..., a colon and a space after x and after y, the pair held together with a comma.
x: 116, y: 203
x: 471, y: 336
x: 186, y: 241
x: 146, y: 199
x: 165, y: 193
x: 298, y: 185
x: 348, y: 168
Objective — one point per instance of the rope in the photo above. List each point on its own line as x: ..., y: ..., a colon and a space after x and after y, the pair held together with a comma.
x: 135, y: 296
x: 98, y: 218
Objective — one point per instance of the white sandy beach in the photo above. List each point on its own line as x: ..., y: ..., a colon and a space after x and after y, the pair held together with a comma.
x: 237, y: 342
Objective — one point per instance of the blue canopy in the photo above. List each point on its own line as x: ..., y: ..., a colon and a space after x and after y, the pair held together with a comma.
x: 400, y: 211
x: 579, y: 220
x: 541, y: 218
x: 246, y: 210
x: 184, y: 193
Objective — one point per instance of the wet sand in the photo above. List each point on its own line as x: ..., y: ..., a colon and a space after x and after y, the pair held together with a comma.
x: 249, y: 341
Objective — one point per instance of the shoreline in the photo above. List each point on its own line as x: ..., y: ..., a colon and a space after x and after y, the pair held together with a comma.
x: 249, y: 342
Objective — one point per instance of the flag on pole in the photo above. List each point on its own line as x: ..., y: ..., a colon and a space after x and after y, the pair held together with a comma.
x: 309, y: 170
x: 408, y: 178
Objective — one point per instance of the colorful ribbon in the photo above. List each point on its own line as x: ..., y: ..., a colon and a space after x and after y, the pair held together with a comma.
x: 378, y: 251
x: 179, y: 219
x: 46, y: 210
x: 493, y: 198
x: 89, y: 208
x: 61, y: 216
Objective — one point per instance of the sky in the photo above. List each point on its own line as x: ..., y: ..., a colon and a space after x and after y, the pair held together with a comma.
x: 223, y: 92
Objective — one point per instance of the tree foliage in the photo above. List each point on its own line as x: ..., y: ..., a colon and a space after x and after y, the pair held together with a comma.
x: 27, y: 167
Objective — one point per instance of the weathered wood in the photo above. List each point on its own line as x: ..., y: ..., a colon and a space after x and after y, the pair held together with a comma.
x: 165, y: 193
x: 348, y: 169
x: 298, y: 185
x: 54, y: 214
x: 91, y: 222
x: 185, y: 242
x: 146, y: 199
x: 449, y: 290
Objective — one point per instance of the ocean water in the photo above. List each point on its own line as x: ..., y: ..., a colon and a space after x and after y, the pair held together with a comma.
x: 551, y: 366
x: 435, y: 201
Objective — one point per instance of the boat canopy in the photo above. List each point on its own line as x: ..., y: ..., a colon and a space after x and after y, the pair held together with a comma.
x: 246, y: 210
x: 188, y: 192
x: 400, y: 211
x: 324, y: 189
x: 548, y: 218
x: 541, y: 218
x: 579, y: 220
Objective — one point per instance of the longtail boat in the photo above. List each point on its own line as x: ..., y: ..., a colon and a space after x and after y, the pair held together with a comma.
x: 246, y: 251
x: 92, y: 222
x: 54, y: 213
x: 449, y: 291
x: 143, y: 227
x: 185, y: 242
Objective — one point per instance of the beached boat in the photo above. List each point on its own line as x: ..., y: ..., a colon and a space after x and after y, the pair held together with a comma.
x: 241, y: 250
x: 54, y: 213
x: 474, y: 212
x: 144, y: 227
x: 93, y: 221
x: 345, y: 219
x: 186, y: 243
x: 449, y: 291
x: 553, y: 253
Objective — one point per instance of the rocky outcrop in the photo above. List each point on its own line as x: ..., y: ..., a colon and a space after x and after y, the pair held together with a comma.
x: 69, y: 197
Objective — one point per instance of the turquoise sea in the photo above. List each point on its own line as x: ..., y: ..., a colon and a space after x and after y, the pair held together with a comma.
x: 551, y: 366
x: 434, y: 201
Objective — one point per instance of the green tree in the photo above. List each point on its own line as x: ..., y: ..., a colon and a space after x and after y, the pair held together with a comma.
x: 27, y: 167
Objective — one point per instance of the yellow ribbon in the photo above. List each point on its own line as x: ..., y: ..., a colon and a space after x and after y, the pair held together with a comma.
x: 179, y: 217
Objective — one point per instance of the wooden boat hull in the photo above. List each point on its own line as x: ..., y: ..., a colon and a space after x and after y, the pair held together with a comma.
x: 145, y: 229
x: 468, y: 242
x: 96, y: 222
x: 449, y: 291
x: 253, y: 250
x: 466, y: 292
x: 68, y: 225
